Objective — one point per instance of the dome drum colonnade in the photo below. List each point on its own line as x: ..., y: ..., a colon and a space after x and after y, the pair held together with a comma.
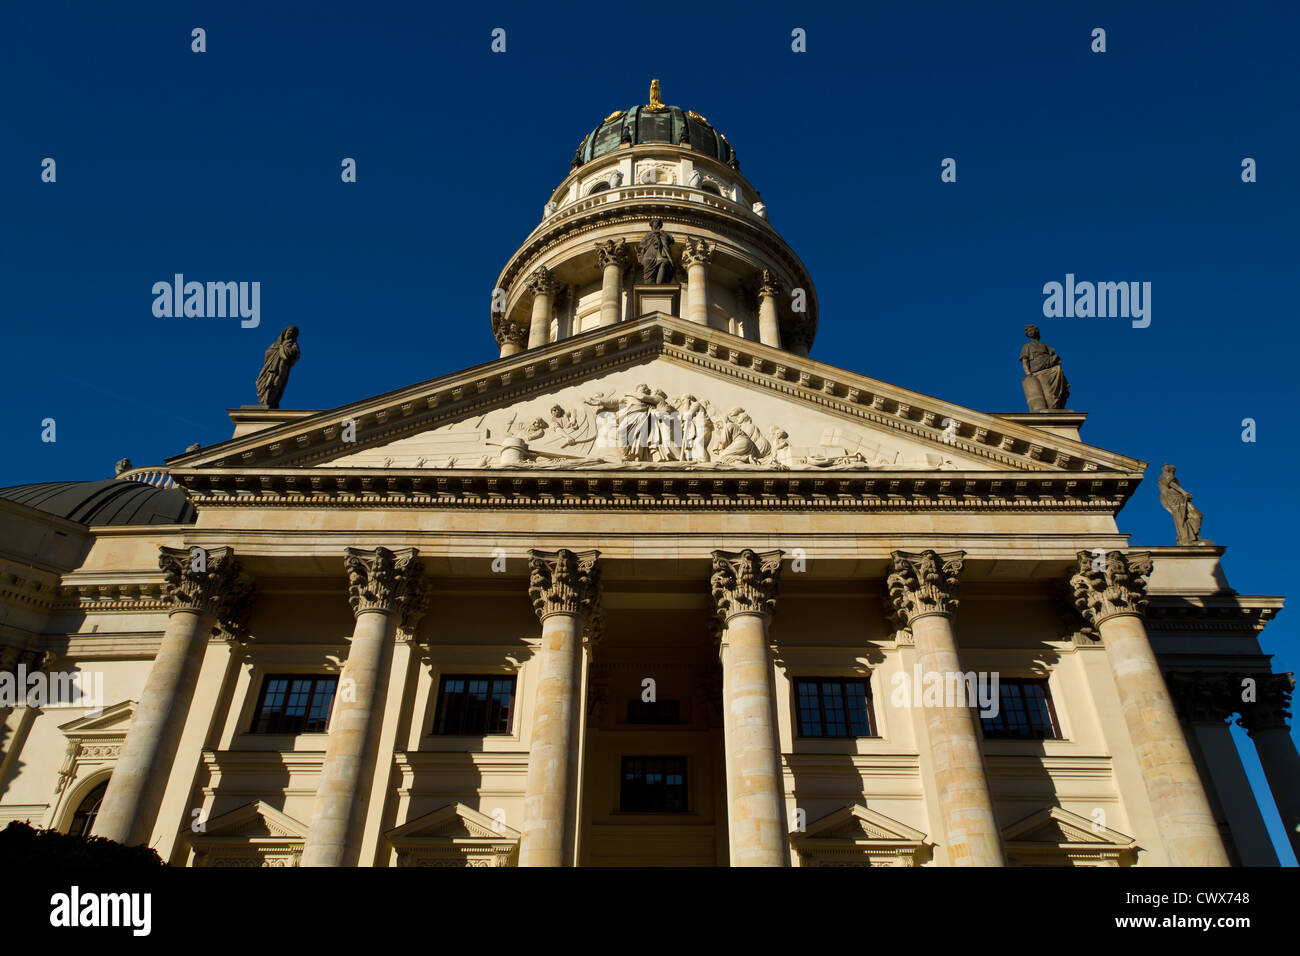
x: 583, y: 266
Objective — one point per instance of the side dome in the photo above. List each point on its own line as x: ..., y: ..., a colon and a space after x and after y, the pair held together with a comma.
x: 114, y: 501
x: 655, y: 123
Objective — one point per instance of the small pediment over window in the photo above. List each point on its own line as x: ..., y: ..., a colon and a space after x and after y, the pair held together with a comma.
x: 858, y: 836
x: 1056, y: 837
x: 455, y: 835
x: 256, y: 834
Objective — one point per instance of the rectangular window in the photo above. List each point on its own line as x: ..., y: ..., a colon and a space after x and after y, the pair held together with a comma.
x: 833, y: 707
x: 1025, y: 712
x: 475, y: 704
x: 653, y: 712
x: 653, y: 785
x: 295, y: 704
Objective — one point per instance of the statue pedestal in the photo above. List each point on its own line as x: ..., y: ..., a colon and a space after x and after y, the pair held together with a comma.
x: 647, y: 298
x: 1034, y: 393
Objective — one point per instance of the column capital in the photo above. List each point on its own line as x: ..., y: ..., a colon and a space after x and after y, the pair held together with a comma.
x: 207, y: 581
x: 563, y: 581
x: 697, y: 252
x: 1271, y: 705
x: 746, y: 582
x: 611, y: 252
x: 769, y: 284
x: 506, y: 330
x: 924, y: 583
x: 541, y: 281
x: 1201, y: 697
x: 388, y: 581
x: 1110, y: 585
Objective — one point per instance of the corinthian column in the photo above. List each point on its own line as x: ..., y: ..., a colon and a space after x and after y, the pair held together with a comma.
x: 1265, y: 722
x: 923, y: 595
x: 510, y: 335
x: 1112, y: 600
x: 696, y: 257
x: 386, y: 590
x: 745, y: 586
x: 612, y: 256
x: 542, y: 285
x: 769, y: 330
x: 204, y: 589
x: 564, y: 587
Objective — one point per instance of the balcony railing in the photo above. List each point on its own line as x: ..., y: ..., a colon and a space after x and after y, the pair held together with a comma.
x: 658, y: 191
x: 155, y: 475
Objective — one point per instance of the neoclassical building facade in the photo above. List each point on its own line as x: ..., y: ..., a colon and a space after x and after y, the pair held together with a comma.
x: 650, y: 587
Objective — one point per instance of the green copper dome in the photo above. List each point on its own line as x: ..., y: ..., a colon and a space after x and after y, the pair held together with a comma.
x: 655, y: 123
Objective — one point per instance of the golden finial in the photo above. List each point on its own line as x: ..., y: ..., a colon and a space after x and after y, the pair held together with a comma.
x: 614, y: 115
x: 655, y: 102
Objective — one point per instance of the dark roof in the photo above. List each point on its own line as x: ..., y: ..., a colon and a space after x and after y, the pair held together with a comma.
x: 641, y: 124
x: 113, y: 501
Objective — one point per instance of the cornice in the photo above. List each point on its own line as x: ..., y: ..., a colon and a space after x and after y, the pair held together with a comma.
x: 1211, y: 614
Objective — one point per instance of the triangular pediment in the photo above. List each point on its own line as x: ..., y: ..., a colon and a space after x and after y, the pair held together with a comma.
x: 1055, y: 826
x: 257, y: 820
x: 453, y: 822
x: 781, y: 412
x: 856, y: 822
x: 112, y: 721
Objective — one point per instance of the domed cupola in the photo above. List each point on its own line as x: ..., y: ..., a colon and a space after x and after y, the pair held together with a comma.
x: 655, y: 123
x: 654, y: 217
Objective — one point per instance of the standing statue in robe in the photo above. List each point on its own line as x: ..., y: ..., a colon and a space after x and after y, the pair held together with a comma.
x: 280, y: 357
x: 654, y: 252
x: 1187, y: 517
x: 1045, y: 385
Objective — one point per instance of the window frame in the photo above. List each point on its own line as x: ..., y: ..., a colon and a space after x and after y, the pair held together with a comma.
x: 279, y: 729
x: 681, y: 760
x: 440, y: 702
x: 1052, y: 716
x: 873, y: 730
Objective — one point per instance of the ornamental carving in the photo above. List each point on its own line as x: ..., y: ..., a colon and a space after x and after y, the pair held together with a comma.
x: 611, y: 252
x: 769, y: 284
x: 1271, y: 706
x: 1104, y: 586
x: 563, y: 582
x: 923, y: 584
x: 209, y: 581
x: 505, y: 330
x: 540, y: 282
x: 698, y: 252
x: 745, y: 582
x: 388, y: 581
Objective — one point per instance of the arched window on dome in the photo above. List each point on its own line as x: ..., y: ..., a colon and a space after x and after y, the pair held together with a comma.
x: 600, y: 187
x: 83, y: 821
x: 709, y: 187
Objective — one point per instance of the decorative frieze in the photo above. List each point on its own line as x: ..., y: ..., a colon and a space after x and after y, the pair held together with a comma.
x: 924, y: 583
x: 745, y: 582
x: 1116, y: 583
x: 563, y: 582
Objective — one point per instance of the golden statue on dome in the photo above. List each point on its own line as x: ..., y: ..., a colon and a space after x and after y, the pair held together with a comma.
x: 655, y: 102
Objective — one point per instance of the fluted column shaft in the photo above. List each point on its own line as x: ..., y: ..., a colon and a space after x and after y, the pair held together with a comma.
x: 745, y: 586
x: 769, y: 328
x: 611, y: 256
x: 386, y: 591
x: 542, y: 285
x: 1112, y: 599
x: 696, y: 258
x: 203, y: 589
x: 923, y: 594
x: 564, y: 587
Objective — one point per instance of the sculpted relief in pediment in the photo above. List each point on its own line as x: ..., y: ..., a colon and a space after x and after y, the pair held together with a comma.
x: 657, y: 417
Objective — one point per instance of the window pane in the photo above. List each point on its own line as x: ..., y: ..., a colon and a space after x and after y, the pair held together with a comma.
x: 294, y: 705
x: 475, y: 705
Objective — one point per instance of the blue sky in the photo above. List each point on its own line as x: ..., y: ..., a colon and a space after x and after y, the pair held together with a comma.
x: 225, y: 165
